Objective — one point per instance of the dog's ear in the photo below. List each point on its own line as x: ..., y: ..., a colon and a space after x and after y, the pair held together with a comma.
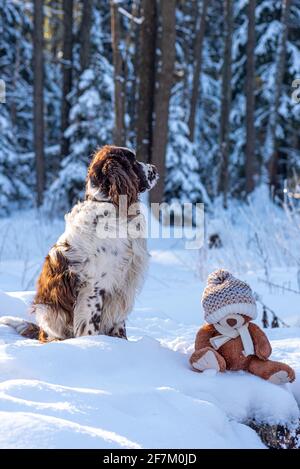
x: 122, y: 180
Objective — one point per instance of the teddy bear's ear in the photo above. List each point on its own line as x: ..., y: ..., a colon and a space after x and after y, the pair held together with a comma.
x: 218, y: 277
x: 247, y: 318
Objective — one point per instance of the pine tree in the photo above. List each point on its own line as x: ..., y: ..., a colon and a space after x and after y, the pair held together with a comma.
x: 192, y: 169
x: 269, y: 17
x: 91, y: 122
x: 67, y: 72
x: 198, y: 52
x: 183, y: 180
x: 183, y: 165
x: 164, y: 83
x: 226, y: 102
x: 16, y: 159
x: 53, y: 78
x: 119, y: 95
x: 38, y: 88
x: 146, y: 71
x: 250, y: 98
x: 208, y: 116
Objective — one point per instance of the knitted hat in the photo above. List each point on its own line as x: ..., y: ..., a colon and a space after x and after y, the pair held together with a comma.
x: 225, y: 295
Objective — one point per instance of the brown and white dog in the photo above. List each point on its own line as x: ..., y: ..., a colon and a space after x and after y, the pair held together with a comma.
x: 88, y: 281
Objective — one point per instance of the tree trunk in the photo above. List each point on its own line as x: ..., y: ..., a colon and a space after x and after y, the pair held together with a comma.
x: 226, y: 101
x: 280, y: 67
x: 250, y: 98
x: 162, y: 96
x: 200, y: 31
x: 67, y: 71
x: 130, y: 79
x: 53, y: 28
x: 119, y: 130
x: 85, y: 29
x: 146, y: 80
x: 15, y: 78
x: 38, y: 98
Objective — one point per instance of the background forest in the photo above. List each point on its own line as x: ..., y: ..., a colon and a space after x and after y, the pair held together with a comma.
x: 201, y: 88
x: 208, y: 91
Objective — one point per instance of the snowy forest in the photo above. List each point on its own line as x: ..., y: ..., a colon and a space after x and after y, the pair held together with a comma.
x: 201, y: 88
x: 208, y: 91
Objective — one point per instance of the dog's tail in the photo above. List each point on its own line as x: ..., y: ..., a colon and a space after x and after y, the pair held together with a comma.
x: 24, y: 328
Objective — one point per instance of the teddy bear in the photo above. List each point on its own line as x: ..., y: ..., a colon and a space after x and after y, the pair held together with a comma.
x: 229, y: 340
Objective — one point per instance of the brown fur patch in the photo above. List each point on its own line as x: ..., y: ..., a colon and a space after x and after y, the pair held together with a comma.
x: 32, y: 331
x: 44, y: 338
x: 57, y: 286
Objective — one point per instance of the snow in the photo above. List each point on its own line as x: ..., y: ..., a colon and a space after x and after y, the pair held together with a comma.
x: 104, y: 392
x: 131, y: 17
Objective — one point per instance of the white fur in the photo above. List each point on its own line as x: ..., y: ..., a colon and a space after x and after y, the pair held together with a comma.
x: 103, y: 261
x: 147, y: 168
x: 19, y: 324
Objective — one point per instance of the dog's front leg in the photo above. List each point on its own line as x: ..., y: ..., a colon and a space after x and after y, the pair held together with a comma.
x: 118, y: 330
x: 88, y: 311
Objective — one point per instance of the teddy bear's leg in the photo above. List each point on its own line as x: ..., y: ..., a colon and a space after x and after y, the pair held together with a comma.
x: 207, y: 359
x: 275, y: 372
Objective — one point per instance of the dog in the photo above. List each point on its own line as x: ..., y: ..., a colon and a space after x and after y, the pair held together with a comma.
x: 91, y: 275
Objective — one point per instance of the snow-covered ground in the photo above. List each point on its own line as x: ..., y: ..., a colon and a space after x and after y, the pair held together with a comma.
x: 102, y: 392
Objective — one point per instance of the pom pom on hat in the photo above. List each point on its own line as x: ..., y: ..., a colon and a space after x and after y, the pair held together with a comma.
x: 218, y: 277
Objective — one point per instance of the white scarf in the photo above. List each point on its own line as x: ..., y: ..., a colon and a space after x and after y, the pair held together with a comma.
x: 227, y: 333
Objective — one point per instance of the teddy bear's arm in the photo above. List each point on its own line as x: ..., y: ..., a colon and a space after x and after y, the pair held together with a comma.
x: 202, y: 338
x: 262, y: 346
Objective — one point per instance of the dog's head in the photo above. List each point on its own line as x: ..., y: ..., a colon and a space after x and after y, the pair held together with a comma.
x: 115, y: 171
